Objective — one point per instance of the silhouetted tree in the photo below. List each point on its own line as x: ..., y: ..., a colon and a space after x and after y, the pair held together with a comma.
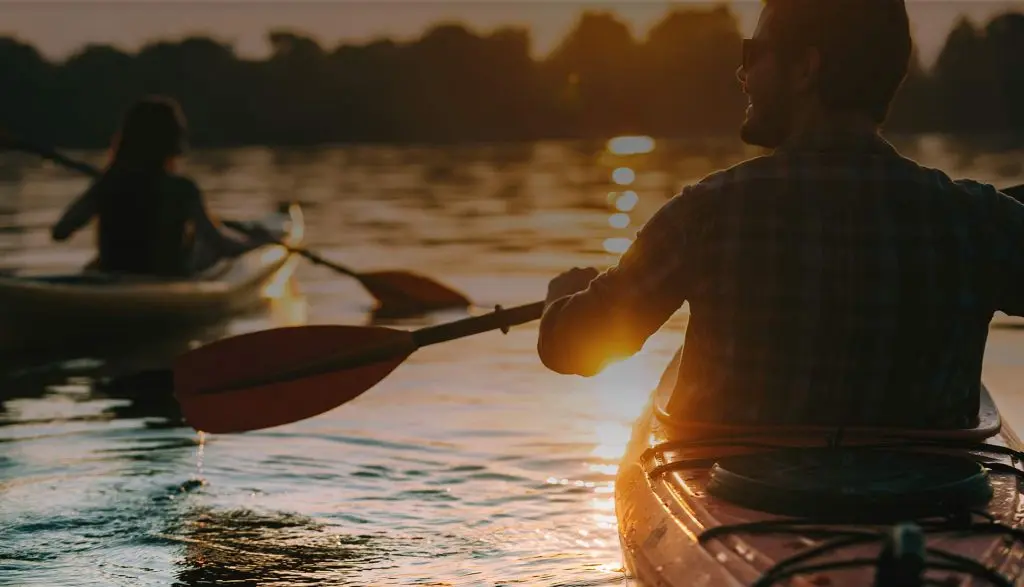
x: 453, y: 84
x: 689, y: 61
x: 966, y: 83
x: 1005, y: 36
x: 915, y: 107
x: 594, y: 72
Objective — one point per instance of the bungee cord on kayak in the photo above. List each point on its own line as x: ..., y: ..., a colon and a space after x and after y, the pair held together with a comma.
x: 839, y: 538
x: 856, y: 523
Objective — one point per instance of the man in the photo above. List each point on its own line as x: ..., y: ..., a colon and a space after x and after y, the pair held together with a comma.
x: 833, y: 282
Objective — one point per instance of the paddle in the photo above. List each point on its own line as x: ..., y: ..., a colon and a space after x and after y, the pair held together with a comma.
x: 279, y: 376
x: 274, y: 377
x: 400, y: 291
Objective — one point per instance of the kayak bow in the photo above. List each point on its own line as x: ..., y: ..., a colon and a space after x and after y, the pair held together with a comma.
x: 701, y: 504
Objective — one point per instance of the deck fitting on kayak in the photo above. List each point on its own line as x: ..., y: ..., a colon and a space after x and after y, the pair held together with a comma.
x: 851, y: 485
x: 902, y: 562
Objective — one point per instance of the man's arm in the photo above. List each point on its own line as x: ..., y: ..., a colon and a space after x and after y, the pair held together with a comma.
x: 622, y: 307
x: 1008, y: 219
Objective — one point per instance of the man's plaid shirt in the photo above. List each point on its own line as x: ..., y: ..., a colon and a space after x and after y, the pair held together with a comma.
x: 833, y: 282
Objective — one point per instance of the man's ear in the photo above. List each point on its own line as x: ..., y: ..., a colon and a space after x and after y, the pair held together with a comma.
x: 808, y: 70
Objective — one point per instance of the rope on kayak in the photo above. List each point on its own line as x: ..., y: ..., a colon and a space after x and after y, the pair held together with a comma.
x: 894, y: 564
x: 841, y: 538
x: 654, y: 453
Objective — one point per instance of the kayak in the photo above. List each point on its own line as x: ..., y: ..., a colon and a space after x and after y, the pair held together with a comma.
x: 50, y: 312
x: 716, y: 505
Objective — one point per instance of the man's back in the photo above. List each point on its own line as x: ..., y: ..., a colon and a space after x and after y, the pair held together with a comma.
x: 842, y: 284
x: 833, y: 282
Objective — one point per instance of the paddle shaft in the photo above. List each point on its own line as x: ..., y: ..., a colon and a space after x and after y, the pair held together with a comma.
x: 500, y: 318
x: 404, y: 344
x: 56, y: 157
x: 317, y: 259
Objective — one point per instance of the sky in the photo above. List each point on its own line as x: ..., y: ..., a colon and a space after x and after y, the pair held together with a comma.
x: 60, y: 27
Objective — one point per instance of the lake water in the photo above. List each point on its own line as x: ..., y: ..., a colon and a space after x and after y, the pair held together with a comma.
x: 470, y: 465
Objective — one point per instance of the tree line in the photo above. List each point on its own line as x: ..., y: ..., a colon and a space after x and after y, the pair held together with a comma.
x: 453, y: 84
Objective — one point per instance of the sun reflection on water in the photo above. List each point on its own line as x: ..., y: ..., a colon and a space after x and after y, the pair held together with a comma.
x: 623, y: 176
x: 627, y: 201
x: 617, y: 245
x: 618, y: 220
x: 631, y: 145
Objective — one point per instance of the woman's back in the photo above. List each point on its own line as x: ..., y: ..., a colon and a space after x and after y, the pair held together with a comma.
x: 149, y: 218
x: 144, y: 225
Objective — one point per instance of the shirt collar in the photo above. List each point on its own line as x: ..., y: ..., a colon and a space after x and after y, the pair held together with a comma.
x: 841, y: 142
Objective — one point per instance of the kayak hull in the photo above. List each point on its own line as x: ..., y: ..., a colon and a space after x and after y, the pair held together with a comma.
x: 53, y: 312
x: 663, y: 506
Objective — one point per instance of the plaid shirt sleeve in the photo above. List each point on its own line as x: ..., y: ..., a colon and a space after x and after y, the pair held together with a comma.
x: 1008, y: 222
x: 626, y: 304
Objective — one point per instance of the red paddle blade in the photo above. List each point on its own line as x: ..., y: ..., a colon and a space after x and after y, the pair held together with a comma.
x: 402, y: 291
x: 274, y: 377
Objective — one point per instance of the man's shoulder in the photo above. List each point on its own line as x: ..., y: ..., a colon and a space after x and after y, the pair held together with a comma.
x: 970, y: 190
x: 702, y: 197
x: 728, y: 181
x: 732, y: 180
x: 765, y: 166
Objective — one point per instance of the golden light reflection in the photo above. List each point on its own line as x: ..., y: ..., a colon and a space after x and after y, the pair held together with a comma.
x: 617, y: 245
x: 631, y: 145
x: 623, y: 176
x: 278, y: 285
x: 619, y: 220
x: 627, y: 201
x: 296, y: 226
x: 622, y: 390
x: 610, y: 568
x: 610, y: 470
x: 612, y: 439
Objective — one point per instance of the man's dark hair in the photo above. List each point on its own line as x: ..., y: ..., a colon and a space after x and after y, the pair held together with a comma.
x: 865, y: 48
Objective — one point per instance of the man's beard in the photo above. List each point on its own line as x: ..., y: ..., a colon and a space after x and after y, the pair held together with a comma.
x: 770, y: 123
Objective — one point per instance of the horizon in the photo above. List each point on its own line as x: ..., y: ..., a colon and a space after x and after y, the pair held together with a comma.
x: 60, y: 29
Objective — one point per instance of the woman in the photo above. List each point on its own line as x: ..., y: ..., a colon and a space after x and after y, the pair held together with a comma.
x: 151, y: 221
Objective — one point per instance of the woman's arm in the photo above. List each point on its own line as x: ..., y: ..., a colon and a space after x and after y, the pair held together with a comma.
x: 77, y: 215
x: 208, y: 230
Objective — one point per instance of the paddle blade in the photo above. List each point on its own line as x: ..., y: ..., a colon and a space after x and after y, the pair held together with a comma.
x: 405, y: 292
x: 274, y: 377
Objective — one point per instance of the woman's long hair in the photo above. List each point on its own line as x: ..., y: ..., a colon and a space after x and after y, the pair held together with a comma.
x: 137, y: 231
x: 152, y: 134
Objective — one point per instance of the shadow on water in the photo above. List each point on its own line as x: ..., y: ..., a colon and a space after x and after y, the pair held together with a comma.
x: 243, y: 547
x: 139, y: 375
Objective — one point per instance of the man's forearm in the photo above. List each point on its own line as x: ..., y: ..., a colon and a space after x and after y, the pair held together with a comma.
x: 568, y: 330
x: 581, y: 333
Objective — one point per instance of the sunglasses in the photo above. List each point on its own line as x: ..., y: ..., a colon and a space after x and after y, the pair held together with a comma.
x: 754, y: 49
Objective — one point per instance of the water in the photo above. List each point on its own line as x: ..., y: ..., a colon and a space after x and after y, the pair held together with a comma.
x: 470, y: 465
